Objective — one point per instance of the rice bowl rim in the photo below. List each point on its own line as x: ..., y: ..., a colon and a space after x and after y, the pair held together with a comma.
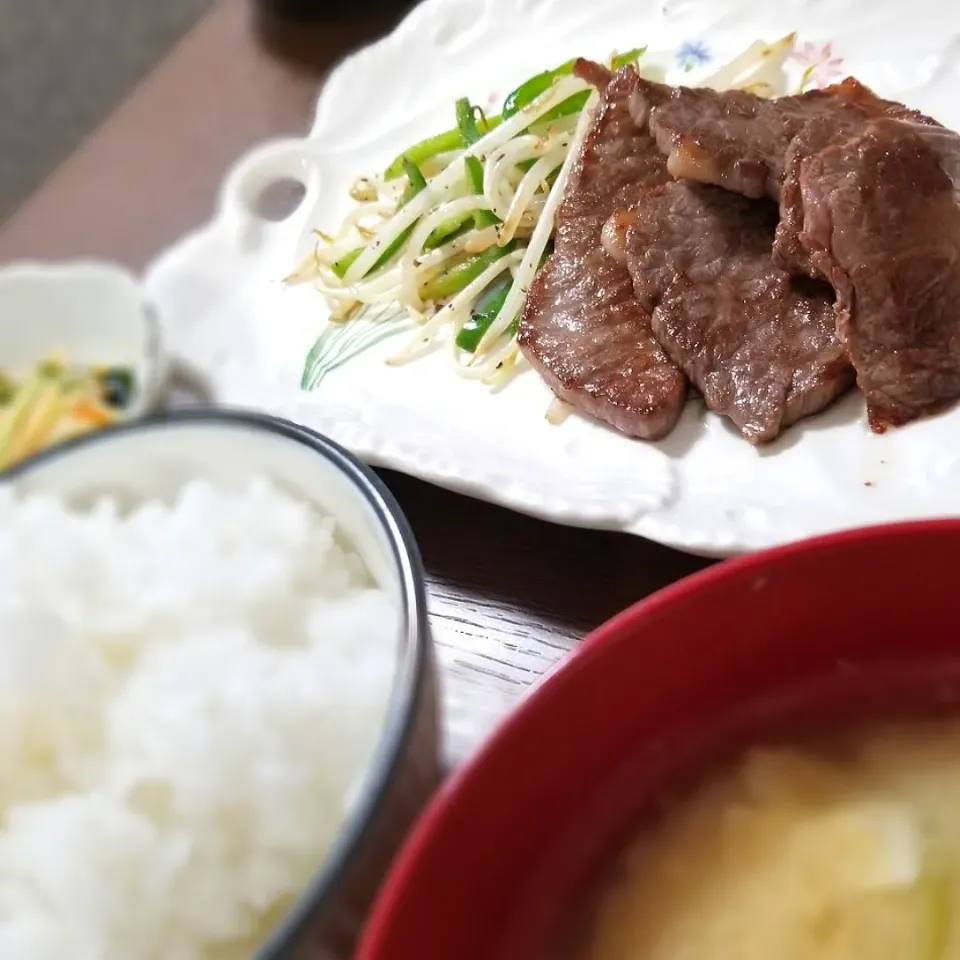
x: 410, y: 677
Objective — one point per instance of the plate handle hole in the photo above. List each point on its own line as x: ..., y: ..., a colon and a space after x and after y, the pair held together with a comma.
x: 279, y: 199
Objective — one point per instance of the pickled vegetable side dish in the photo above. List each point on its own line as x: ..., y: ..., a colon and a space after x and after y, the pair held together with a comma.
x: 58, y: 400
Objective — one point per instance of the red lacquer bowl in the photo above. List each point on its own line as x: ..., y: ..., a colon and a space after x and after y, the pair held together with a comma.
x: 783, y: 644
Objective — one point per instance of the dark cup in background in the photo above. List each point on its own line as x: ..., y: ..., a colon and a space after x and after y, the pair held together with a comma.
x: 315, y: 34
x: 334, y: 10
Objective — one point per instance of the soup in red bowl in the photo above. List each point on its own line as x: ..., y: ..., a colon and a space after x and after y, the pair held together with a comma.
x: 760, y: 760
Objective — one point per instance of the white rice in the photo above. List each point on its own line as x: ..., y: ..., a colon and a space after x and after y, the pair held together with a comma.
x: 189, y: 695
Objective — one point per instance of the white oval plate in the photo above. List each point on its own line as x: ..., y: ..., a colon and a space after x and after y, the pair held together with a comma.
x: 703, y: 489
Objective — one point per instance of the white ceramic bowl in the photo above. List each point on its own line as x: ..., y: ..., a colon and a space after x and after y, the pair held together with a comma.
x: 92, y: 312
x: 153, y: 458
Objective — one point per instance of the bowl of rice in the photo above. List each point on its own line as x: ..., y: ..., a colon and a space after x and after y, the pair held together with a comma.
x: 218, y: 711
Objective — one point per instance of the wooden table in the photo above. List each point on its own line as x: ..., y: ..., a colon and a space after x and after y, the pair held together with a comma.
x: 509, y: 599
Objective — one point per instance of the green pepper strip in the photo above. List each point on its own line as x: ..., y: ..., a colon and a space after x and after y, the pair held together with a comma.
x: 466, y: 118
x: 528, y: 91
x: 481, y: 319
x: 524, y: 95
x: 448, y: 230
x: 467, y: 122
x: 471, y: 333
x: 456, y: 278
x: 631, y: 56
x: 566, y: 107
x: 419, y: 152
x: 341, y: 266
x: 444, y: 142
x: 417, y: 184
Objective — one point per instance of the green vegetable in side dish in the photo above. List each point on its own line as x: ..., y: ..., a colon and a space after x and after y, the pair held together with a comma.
x: 7, y: 389
x: 57, y: 401
x: 116, y: 385
x: 50, y: 369
x: 452, y: 281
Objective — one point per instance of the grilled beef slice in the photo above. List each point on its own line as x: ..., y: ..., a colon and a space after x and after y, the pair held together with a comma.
x: 739, y: 141
x: 875, y: 210
x: 582, y: 327
x: 760, y: 348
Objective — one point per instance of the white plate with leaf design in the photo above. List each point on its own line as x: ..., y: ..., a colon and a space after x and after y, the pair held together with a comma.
x: 227, y: 312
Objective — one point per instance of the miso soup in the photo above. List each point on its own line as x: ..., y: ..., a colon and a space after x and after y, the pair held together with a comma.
x: 846, y: 853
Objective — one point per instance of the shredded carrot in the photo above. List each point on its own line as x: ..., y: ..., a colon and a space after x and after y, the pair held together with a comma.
x: 90, y: 412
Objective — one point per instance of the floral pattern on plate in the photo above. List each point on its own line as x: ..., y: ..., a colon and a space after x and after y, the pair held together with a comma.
x: 821, y: 66
x: 693, y: 54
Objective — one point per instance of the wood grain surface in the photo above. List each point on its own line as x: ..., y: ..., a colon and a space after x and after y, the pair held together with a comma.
x: 509, y: 595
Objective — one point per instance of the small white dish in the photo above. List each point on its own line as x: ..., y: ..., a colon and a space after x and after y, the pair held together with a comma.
x: 93, y: 313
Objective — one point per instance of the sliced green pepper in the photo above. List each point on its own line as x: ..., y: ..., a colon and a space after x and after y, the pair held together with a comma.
x: 528, y: 91
x: 523, y: 96
x: 341, y: 266
x: 488, y: 309
x: 456, y: 278
x: 444, y: 142
x: 449, y: 230
x: 417, y: 184
x: 471, y: 333
x: 566, y: 107
x: 456, y: 226
x: 467, y: 122
x: 419, y: 152
x: 474, y: 170
x: 630, y: 56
